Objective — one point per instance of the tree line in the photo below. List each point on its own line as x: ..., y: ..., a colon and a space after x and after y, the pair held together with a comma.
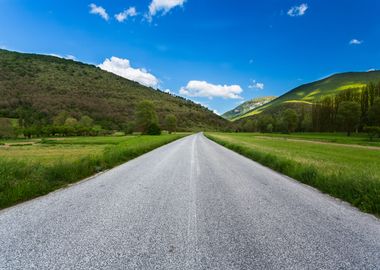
x: 350, y: 110
x: 34, y: 124
x: 355, y: 109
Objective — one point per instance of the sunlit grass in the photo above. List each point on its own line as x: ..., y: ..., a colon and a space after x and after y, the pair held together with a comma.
x: 33, y: 170
x: 344, y: 171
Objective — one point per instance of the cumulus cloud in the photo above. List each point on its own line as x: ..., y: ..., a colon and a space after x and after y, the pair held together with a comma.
x: 298, y: 10
x: 122, y: 16
x: 256, y: 85
x: 163, y: 6
x: 122, y: 67
x: 205, y: 89
x: 98, y: 10
x: 355, y: 42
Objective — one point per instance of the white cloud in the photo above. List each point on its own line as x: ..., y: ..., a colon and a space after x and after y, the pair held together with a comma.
x: 69, y: 56
x: 205, y: 89
x: 122, y: 16
x: 298, y: 10
x: 355, y: 42
x: 256, y: 85
x: 163, y: 6
x: 98, y: 10
x: 168, y: 91
x: 371, y: 69
x: 122, y: 67
x: 216, y: 112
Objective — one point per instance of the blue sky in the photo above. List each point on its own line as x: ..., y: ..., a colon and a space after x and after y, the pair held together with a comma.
x: 216, y: 52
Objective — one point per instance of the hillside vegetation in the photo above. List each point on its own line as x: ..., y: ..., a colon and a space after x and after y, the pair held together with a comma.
x: 309, y: 93
x: 37, y: 88
x: 247, y: 106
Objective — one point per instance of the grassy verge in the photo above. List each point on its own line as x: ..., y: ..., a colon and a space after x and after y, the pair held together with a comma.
x: 341, y: 138
x: 351, y: 174
x: 30, y: 171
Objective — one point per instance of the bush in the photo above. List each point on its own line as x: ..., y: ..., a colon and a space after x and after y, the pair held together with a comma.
x: 372, y: 131
x: 153, y: 129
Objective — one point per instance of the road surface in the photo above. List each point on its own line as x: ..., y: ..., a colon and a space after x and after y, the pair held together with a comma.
x: 191, y: 204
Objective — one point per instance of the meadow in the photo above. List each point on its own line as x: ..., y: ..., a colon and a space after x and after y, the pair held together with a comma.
x: 31, y: 168
x: 338, y: 137
x: 346, y: 171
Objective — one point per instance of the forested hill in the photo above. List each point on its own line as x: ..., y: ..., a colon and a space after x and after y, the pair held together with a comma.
x: 312, y: 92
x: 39, y: 87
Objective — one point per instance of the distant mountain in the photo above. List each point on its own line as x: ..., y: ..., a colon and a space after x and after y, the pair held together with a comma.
x: 41, y: 86
x: 307, y: 93
x: 246, y: 107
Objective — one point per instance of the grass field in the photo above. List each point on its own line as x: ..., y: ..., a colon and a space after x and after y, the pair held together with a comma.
x: 341, y: 138
x: 30, y: 168
x: 347, y: 172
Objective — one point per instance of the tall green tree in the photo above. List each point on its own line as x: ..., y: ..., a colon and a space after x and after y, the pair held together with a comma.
x: 349, y: 115
x: 6, y: 128
x: 374, y: 112
x: 171, y: 123
x: 146, y: 116
x: 290, y: 120
x: 264, y: 122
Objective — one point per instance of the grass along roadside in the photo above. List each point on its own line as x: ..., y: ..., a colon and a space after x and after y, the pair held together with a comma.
x: 351, y: 174
x: 25, y: 177
x: 339, y: 138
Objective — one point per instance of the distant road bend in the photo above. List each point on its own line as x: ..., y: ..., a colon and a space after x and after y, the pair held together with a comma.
x: 191, y: 204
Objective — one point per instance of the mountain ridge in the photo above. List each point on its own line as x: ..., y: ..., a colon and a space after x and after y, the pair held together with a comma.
x: 310, y: 92
x: 44, y: 85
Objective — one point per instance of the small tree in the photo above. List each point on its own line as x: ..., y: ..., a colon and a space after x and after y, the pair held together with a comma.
x: 349, y: 115
x: 171, y: 123
x: 153, y: 129
x: 290, y: 120
x: 129, y: 128
x: 71, y: 122
x: 86, y: 121
x: 146, y: 116
x: 60, y: 119
x: 374, y: 112
x: 270, y: 128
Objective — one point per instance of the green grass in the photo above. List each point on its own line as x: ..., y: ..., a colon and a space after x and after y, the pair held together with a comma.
x: 34, y: 170
x: 341, y: 138
x: 343, y: 171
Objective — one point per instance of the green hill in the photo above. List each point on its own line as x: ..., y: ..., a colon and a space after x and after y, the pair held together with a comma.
x: 307, y: 93
x: 246, y: 107
x: 42, y: 86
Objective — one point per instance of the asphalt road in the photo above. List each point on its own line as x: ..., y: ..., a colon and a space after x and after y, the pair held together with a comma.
x: 191, y: 204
